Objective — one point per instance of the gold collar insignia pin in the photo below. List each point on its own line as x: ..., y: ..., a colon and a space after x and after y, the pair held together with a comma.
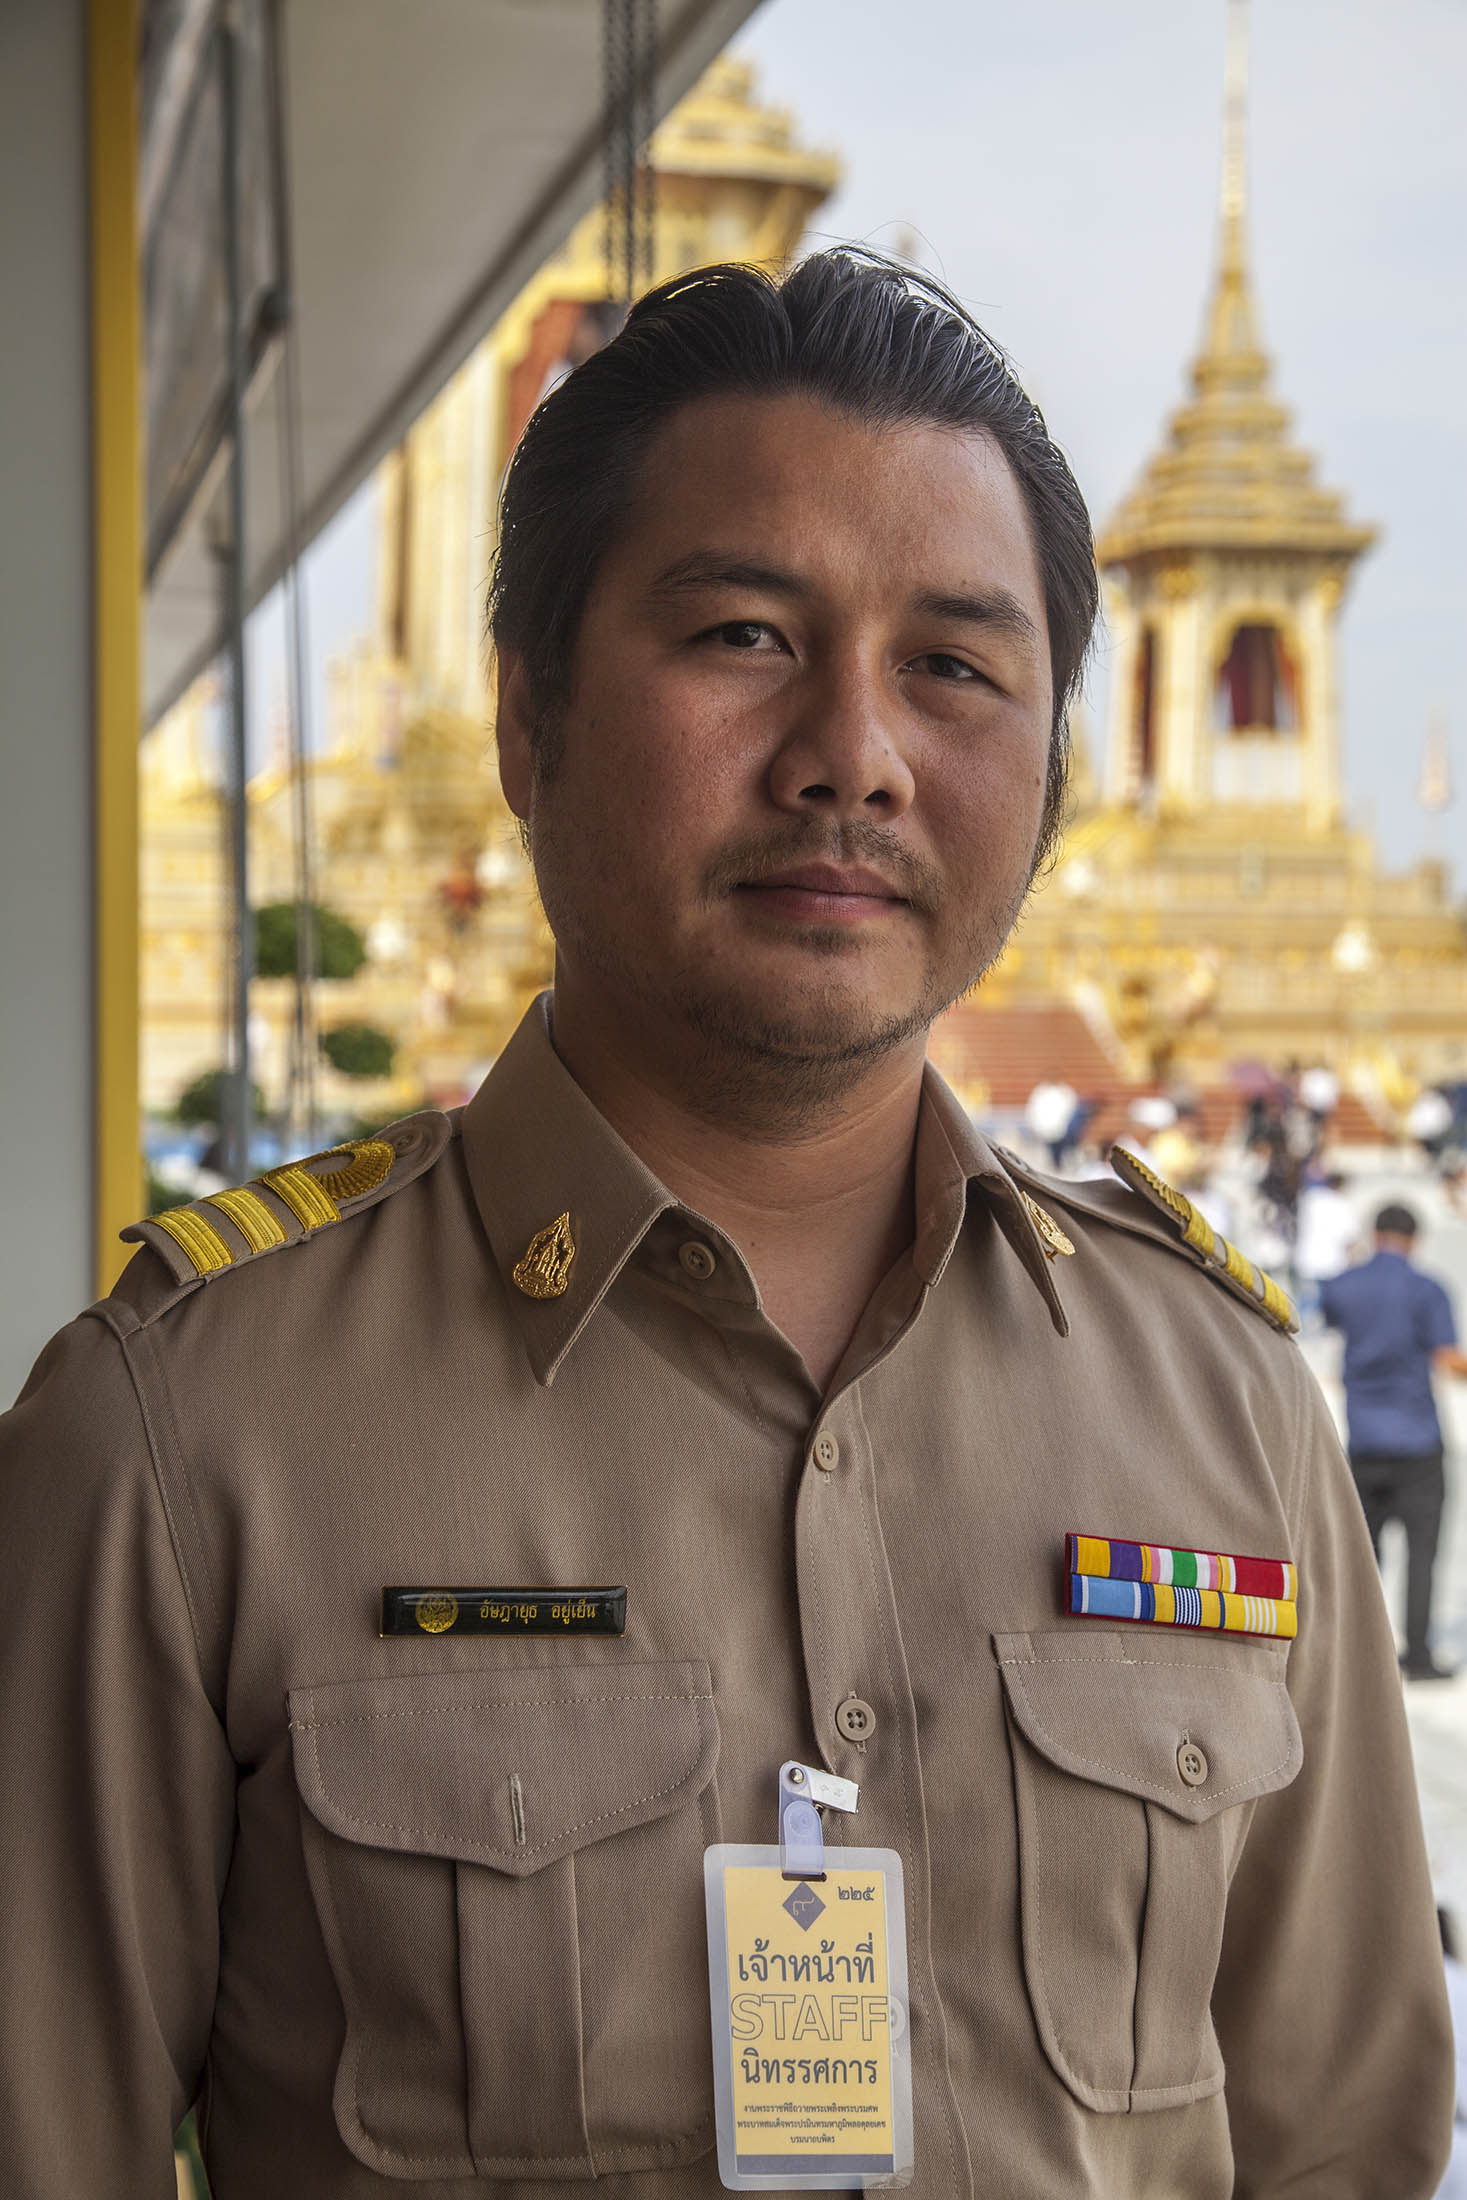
x: 1051, y: 1235
x: 543, y: 1269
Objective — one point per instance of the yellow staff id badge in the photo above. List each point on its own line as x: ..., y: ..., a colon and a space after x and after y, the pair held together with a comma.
x: 812, y: 2070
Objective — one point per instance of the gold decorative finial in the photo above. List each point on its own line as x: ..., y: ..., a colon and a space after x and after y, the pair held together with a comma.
x: 1434, y: 787
x: 1231, y: 355
x: 1234, y: 188
x: 1229, y: 476
x: 543, y: 1270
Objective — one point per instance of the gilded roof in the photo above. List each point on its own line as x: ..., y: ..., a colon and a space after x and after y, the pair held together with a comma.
x: 1228, y: 476
x: 720, y: 129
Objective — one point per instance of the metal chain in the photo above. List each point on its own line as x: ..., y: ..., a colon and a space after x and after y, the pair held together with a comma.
x: 611, y: 78
x: 629, y: 71
x: 646, y: 86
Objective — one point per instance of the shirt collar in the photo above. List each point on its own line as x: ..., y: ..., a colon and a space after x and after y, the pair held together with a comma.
x: 536, y: 1148
x: 953, y: 1154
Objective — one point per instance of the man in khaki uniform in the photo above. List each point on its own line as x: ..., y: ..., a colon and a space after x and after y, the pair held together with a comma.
x: 714, y: 1294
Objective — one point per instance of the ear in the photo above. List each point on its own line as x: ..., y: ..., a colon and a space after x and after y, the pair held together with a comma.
x: 513, y: 733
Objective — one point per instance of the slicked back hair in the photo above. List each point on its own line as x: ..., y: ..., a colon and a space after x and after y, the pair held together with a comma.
x: 848, y: 327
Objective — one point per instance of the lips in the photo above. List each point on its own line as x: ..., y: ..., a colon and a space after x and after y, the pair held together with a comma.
x: 827, y: 897
x: 827, y: 882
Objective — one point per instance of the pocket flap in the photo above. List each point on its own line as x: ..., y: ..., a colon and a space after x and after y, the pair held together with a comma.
x: 511, y: 1769
x: 1120, y: 1707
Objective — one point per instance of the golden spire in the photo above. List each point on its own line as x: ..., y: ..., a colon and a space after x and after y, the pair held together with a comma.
x: 1231, y: 354
x: 1234, y: 183
x: 1228, y: 477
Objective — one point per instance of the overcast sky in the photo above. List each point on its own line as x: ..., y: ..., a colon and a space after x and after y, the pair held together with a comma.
x: 1059, y: 161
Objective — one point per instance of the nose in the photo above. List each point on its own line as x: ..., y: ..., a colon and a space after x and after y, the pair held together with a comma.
x: 841, y: 757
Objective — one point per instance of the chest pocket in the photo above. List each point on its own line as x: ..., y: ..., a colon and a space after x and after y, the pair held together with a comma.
x: 1137, y: 1762
x: 507, y: 1869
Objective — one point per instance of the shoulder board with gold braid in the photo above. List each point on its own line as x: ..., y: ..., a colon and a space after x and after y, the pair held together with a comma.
x: 226, y: 1229
x: 1246, y: 1282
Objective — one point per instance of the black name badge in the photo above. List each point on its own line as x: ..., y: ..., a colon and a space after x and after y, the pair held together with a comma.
x: 438, y: 1611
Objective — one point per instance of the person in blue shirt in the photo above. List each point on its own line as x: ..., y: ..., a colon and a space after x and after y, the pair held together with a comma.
x: 1398, y: 1327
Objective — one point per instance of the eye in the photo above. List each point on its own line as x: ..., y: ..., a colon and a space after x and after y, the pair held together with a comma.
x: 745, y: 634
x: 945, y: 667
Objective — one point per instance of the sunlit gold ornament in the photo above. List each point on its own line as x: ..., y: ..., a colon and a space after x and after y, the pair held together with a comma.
x: 543, y: 1270
x: 1051, y: 1235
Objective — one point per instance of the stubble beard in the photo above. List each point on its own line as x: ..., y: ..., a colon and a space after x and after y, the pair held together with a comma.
x: 774, y: 1067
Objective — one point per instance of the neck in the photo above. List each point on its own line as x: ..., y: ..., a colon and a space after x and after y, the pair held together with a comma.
x: 819, y: 1202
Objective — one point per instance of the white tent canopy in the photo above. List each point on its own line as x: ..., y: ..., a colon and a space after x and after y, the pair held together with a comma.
x: 435, y: 155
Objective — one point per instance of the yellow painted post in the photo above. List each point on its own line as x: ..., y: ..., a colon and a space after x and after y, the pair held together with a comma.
x: 117, y: 536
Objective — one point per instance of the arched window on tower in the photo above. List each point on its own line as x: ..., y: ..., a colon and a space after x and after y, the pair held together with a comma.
x: 1257, y: 683
x: 1143, y: 735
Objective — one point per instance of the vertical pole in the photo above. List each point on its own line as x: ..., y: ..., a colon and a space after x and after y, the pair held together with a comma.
x: 302, y: 1081
x: 610, y: 15
x: 117, y: 537
x: 629, y: 71
x: 629, y: 150
x: 236, y: 1125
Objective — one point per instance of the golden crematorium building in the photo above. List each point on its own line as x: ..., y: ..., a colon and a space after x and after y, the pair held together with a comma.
x: 413, y: 844
x: 1211, y: 904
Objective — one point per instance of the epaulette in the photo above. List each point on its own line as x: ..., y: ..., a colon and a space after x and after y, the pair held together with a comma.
x: 1232, y: 1268
x: 285, y: 1205
x: 1189, y: 1230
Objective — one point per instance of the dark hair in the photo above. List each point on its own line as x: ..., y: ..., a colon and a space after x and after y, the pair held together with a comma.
x: 847, y: 326
x: 1396, y: 1221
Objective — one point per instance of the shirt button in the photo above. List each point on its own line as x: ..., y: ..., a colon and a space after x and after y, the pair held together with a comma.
x: 855, y: 1720
x: 697, y: 1260
x: 827, y: 1452
x: 1191, y: 1764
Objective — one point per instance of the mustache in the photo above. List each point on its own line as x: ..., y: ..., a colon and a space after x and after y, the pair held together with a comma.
x: 750, y: 861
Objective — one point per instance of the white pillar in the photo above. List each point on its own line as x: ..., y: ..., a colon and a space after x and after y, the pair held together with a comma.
x: 1119, y: 779
x: 1321, y: 720
x: 1183, y: 724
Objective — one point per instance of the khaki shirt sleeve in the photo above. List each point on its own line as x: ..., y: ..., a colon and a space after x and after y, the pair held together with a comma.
x: 1330, y: 2001
x: 119, y: 1794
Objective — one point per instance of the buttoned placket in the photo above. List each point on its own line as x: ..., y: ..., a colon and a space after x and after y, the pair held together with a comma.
x: 864, y: 1716
x: 860, y: 1702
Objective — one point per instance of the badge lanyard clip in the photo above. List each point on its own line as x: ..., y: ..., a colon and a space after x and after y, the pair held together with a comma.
x: 803, y: 1791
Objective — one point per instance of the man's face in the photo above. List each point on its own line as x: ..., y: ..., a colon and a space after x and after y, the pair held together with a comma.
x: 793, y: 800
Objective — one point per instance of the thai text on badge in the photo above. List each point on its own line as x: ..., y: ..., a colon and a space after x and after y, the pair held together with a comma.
x: 808, y: 1993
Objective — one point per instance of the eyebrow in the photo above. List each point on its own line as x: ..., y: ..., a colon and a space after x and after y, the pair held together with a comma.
x: 702, y: 570
x: 706, y: 569
x: 996, y: 609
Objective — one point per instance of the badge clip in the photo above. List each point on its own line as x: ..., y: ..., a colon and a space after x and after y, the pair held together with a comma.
x: 803, y: 1792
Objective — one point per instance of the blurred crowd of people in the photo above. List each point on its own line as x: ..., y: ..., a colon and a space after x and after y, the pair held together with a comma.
x: 1276, y: 1150
x: 1270, y: 1180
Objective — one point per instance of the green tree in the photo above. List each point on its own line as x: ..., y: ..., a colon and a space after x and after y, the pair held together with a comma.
x: 359, y: 1050
x: 203, y: 1100
x: 340, y: 949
